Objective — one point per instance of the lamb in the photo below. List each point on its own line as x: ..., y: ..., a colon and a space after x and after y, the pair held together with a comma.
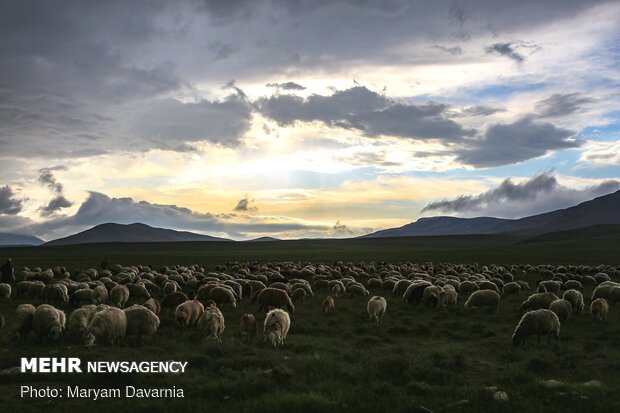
x: 483, y: 298
x: 599, y: 309
x: 21, y: 323
x: 119, y: 295
x: 274, y: 297
x: 536, y: 323
x: 188, y: 314
x: 78, y: 321
x: 562, y: 308
x: 140, y: 322
x: 277, y: 324
x: 5, y: 290
x: 447, y: 296
x: 575, y: 298
x: 48, y: 322
x: 223, y: 295
x: 376, y: 308
x: 212, y: 322
x: 512, y: 288
x: 328, y: 304
x: 109, y: 324
x: 153, y: 305
x: 537, y: 301
x: 249, y: 328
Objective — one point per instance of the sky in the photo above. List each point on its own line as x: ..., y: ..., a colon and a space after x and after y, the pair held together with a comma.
x: 303, y: 118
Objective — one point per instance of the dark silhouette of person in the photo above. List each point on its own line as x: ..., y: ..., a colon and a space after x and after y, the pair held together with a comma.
x: 104, y: 264
x: 8, y: 274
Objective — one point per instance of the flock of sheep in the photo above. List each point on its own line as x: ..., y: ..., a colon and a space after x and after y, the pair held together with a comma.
x: 196, y: 297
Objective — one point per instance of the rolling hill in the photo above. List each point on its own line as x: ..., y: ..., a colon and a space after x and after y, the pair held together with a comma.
x: 137, y: 232
x: 604, y: 210
x: 7, y: 239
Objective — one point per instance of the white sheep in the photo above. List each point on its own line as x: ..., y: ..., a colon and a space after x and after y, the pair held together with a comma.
x: 100, y: 295
x: 512, y: 287
x: 376, y: 308
x: 536, y: 323
x: 21, y: 322
x: 48, y: 322
x: 448, y: 296
x: 109, y: 324
x: 212, y: 322
x: 562, y: 308
x: 483, y: 298
x: 599, y: 309
x: 140, y: 322
x: 537, y: 301
x: 119, y: 295
x: 277, y: 324
x: 188, y: 313
x: 78, y: 321
x: 5, y: 290
x: 575, y: 298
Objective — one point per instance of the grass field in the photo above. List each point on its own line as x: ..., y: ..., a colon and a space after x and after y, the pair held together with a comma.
x: 342, y: 362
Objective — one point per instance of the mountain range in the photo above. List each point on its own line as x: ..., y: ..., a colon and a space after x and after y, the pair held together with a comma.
x: 19, y: 239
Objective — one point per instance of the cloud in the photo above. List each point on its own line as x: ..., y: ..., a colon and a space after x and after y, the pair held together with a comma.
x: 481, y: 110
x: 454, y: 51
x: 222, y: 50
x: 286, y: 86
x: 559, y: 105
x: 505, y: 49
x: 541, y: 193
x: 47, y: 178
x: 245, y: 205
x: 504, y: 144
x: 59, y: 202
x: 9, y: 203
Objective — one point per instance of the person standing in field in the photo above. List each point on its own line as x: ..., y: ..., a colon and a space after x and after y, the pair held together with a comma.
x: 8, y: 274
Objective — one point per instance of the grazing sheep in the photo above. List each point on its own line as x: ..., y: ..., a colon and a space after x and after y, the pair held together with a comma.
x: 153, y: 305
x: 512, y: 288
x: 173, y: 300
x: 78, y: 321
x: 562, y: 308
x: 109, y: 324
x: 55, y: 294
x: 170, y: 287
x: 575, y: 298
x: 119, y: 295
x: 249, y: 328
x: 138, y: 291
x: 223, y: 295
x: 328, y: 304
x: 299, y: 294
x: 188, y: 313
x: 536, y: 323
x: 430, y: 295
x: 140, y: 322
x: 483, y: 298
x: 212, y: 322
x: 447, y: 296
x: 277, y: 324
x: 549, y: 287
x: 84, y: 295
x: 524, y: 285
x: 537, y: 301
x: 602, y: 291
x: 466, y: 287
x: 48, y: 323
x: 274, y: 297
x: 599, y: 309
x: 356, y: 289
x: 100, y: 295
x: 5, y: 290
x: 415, y: 291
x: 614, y: 295
x: 21, y: 322
x: 376, y: 308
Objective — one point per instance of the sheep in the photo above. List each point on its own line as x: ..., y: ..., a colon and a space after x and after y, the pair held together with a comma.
x: 467, y: 287
x: 447, y: 296
x: 138, y: 291
x: 415, y: 291
x: 48, y: 322
x: 483, y: 298
x: 512, y: 288
x: 523, y: 284
x: 599, y: 309
x: 109, y: 324
x: 84, y: 295
x: 562, y: 308
x: 119, y: 295
x: 170, y: 287
x: 188, y: 313
x: 328, y: 304
x: 376, y: 308
x: 212, y: 322
x: 153, y: 305
x: 430, y: 295
x: 249, y: 328
x: 100, y: 295
x: 537, y: 301
x: 5, y: 290
x: 549, y: 287
x: 614, y: 295
x: 299, y: 294
x: 536, y: 323
x: 602, y: 291
x: 274, y: 297
x: 140, y: 322
x: 575, y: 298
x: 277, y: 324
x: 222, y: 295
x: 173, y: 300
x: 21, y: 323
x: 55, y: 294
x: 78, y: 321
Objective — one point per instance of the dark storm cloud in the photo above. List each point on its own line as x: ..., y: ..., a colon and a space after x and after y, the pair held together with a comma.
x: 47, y: 178
x: 286, y: 86
x: 505, y: 49
x: 245, y: 205
x: 364, y: 110
x: 539, y: 194
x: 59, y: 202
x: 559, y: 105
x: 10, y: 204
x: 504, y: 144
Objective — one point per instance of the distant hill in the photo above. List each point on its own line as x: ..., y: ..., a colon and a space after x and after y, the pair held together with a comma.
x: 7, y: 239
x: 263, y: 239
x: 604, y: 210
x: 592, y: 232
x: 112, y: 232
